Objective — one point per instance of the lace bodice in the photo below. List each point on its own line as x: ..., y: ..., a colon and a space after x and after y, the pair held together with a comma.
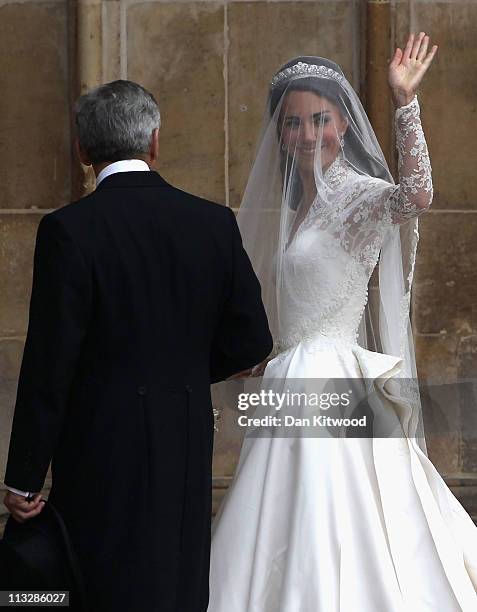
x: 328, y: 263
x: 324, y: 289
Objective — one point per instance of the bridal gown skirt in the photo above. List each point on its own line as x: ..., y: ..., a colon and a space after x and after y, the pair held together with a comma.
x: 340, y: 525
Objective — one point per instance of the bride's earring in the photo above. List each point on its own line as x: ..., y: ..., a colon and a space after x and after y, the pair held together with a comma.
x: 284, y: 146
x: 342, y: 141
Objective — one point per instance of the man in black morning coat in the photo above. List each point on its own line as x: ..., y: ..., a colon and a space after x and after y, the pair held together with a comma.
x: 142, y: 296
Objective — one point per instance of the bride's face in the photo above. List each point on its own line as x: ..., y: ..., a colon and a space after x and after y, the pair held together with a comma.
x: 309, y: 120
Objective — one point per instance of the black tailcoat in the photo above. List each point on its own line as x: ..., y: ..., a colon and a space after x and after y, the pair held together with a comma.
x: 142, y: 296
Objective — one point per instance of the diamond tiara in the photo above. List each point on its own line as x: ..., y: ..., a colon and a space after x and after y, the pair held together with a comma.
x: 302, y: 69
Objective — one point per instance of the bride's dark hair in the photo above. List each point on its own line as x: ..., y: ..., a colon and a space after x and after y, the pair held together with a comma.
x: 330, y: 89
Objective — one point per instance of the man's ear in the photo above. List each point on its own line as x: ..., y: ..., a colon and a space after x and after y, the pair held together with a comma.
x: 82, y: 155
x: 154, y: 150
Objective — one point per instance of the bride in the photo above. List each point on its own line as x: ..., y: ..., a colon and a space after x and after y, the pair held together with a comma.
x: 321, y: 522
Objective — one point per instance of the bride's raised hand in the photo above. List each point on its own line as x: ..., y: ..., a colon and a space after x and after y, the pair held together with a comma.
x: 408, y: 67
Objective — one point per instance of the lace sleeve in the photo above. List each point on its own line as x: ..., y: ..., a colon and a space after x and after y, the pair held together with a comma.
x: 413, y: 195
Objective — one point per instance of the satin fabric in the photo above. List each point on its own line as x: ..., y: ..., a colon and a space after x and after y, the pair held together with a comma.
x: 341, y: 525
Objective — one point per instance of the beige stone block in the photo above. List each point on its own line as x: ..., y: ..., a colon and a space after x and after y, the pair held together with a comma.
x: 228, y: 439
x: 467, y: 360
x: 17, y: 244
x: 444, y: 452
x: 442, y: 424
x: 448, y: 95
x: 450, y: 400
x: 35, y: 153
x: 436, y: 357
x: 92, y: 42
x: 263, y: 36
x: 176, y: 51
x: 111, y: 40
x: 8, y: 390
x: 465, y: 489
x: 437, y: 365
x: 11, y: 351
x: 445, y: 285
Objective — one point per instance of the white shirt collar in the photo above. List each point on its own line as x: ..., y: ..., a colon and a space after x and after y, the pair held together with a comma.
x: 125, y: 165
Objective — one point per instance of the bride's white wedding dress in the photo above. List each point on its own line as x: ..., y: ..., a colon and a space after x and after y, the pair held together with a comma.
x: 341, y: 525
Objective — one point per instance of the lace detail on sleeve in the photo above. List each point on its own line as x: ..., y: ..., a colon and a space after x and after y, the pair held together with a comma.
x: 413, y: 195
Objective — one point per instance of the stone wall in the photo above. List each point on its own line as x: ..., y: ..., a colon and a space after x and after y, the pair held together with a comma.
x: 209, y: 63
x: 35, y: 165
x: 445, y: 289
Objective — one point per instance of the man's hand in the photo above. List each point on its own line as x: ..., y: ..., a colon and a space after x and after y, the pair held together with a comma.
x: 257, y: 370
x: 242, y: 374
x: 21, y: 508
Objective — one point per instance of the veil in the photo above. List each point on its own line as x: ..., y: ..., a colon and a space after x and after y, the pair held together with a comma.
x: 319, y: 167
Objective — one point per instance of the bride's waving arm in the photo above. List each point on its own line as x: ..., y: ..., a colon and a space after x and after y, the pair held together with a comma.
x: 413, y: 194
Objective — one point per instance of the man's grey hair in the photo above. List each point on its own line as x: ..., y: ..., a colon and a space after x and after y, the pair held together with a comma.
x: 115, y: 121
